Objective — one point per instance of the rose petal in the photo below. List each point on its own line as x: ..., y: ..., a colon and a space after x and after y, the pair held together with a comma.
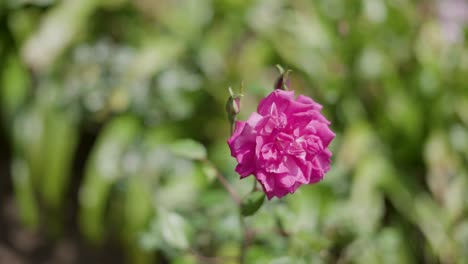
x: 281, y: 99
x: 308, y: 101
x: 324, y: 132
x: 246, y: 166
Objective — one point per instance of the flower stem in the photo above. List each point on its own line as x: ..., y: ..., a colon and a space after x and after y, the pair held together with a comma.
x: 243, y: 246
x: 225, y: 183
x: 254, y: 187
x: 236, y: 198
x: 232, y: 126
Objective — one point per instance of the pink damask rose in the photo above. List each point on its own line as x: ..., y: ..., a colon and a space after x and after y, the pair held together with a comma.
x: 284, y: 144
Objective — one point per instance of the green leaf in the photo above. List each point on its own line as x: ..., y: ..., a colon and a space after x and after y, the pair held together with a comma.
x: 174, y: 229
x: 137, y: 207
x: 24, y: 193
x: 102, y: 171
x: 189, y: 148
x: 27, y: 137
x: 60, y: 137
x: 251, y: 203
x: 14, y: 86
x: 209, y: 171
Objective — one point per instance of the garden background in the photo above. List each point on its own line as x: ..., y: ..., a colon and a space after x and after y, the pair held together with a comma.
x: 113, y: 130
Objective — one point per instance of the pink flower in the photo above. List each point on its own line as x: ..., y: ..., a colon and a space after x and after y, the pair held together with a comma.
x: 284, y: 144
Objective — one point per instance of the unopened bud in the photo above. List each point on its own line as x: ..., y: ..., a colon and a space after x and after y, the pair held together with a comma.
x: 283, y: 82
x: 233, y: 107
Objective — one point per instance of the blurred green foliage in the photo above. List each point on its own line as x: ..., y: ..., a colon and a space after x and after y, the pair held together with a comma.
x: 148, y: 80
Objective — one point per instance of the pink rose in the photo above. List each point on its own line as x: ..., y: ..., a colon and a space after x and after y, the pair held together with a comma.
x: 284, y: 145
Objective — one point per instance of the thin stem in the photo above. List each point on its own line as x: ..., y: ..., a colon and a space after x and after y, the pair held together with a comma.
x: 238, y: 201
x: 235, y: 196
x: 244, y: 241
x: 226, y: 185
x: 254, y: 187
x: 232, y: 126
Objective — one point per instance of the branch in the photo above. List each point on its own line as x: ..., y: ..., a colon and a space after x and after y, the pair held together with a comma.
x: 226, y: 185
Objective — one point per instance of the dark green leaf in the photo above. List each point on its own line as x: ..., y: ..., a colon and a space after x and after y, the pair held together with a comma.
x: 252, y: 202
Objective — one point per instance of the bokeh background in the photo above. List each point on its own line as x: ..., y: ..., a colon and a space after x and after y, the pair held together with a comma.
x: 108, y: 109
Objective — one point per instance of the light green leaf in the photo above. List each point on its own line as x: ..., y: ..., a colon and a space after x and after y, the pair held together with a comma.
x: 102, y: 171
x: 60, y: 138
x: 24, y: 193
x: 209, y: 171
x: 189, y: 148
x: 14, y: 86
x: 174, y: 229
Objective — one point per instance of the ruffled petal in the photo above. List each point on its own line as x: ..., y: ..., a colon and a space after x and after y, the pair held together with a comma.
x: 238, y: 128
x: 246, y: 164
x: 296, y: 169
x: 309, y: 102
x: 254, y: 118
x: 279, y: 98
x: 267, y: 183
x: 243, y: 135
x: 325, y: 134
